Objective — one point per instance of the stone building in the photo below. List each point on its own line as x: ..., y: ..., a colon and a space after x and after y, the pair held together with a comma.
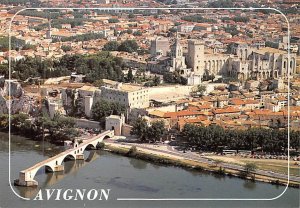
x: 177, y: 59
x: 160, y: 46
x: 260, y: 63
x: 131, y: 96
x: 114, y: 122
x: 203, y: 62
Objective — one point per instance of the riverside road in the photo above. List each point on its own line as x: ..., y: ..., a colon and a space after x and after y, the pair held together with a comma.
x: 167, y: 149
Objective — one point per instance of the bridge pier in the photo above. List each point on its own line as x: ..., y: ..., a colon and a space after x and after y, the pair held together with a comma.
x: 32, y: 183
x: 58, y: 168
x: 80, y: 157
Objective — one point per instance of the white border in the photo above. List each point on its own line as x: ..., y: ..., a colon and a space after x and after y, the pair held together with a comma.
x: 125, y: 9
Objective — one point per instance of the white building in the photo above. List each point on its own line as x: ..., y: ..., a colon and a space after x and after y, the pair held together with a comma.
x: 131, y: 96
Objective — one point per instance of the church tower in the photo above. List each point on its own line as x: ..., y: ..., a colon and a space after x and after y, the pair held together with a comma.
x: 177, y: 58
x: 48, y: 32
x: 176, y: 48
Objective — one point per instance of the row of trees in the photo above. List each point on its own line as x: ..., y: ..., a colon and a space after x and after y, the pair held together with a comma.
x: 15, y: 43
x: 214, y: 138
x: 57, y: 23
x: 58, y: 129
x: 198, y: 18
x: 146, y: 133
x: 99, y: 66
x: 237, y: 19
x: 34, y: 13
x: 127, y: 46
x: 83, y: 37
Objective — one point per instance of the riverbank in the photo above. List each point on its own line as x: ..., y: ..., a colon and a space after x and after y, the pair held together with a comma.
x: 169, y: 159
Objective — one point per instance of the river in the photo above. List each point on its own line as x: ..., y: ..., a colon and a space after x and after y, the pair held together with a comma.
x: 128, y: 178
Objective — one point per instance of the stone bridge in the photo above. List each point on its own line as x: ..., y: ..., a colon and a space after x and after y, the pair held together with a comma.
x: 55, y: 164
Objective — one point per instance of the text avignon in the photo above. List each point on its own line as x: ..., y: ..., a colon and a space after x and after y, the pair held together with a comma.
x: 70, y: 194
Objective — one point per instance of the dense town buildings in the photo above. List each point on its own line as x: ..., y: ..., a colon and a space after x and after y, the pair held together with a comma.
x: 239, y: 57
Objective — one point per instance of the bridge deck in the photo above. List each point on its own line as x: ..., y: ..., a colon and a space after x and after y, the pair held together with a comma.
x: 42, y: 163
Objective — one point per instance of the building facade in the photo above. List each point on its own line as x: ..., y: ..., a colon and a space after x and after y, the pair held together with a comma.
x: 130, y: 96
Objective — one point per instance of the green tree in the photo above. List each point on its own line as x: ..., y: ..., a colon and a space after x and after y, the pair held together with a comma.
x: 111, y: 46
x: 156, y: 130
x: 156, y: 80
x: 103, y: 108
x: 137, y: 33
x: 66, y: 48
x: 98, y: 83
x: 140, y: 128
x: 128, y: 46
x: 113, y: 20
x: 131, y: 16
x: 4, y: 122
x: 28, y: 46
x: 197, y: 18
x: 18, y: 120
x: 61, y: 128
x: 250, y: 168
x: 201, y: 89
x: 130, y: 77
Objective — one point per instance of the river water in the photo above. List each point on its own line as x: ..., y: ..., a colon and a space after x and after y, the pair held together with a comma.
x: 128, y: 178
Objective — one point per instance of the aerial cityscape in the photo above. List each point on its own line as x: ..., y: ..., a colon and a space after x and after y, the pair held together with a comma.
x: 167, y: 99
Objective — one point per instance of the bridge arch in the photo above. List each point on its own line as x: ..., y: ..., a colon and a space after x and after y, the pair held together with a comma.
x: 106, y: 137
x: 66, y: 158
x: 89, y: 146
x: 32, y: 174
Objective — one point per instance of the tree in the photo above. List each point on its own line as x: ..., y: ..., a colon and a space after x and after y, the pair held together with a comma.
x: 137, y: 33
x: 111, y: 46
x: 197, y: 18
x: 148, y: 133
x: 156, y: 80
x: 201, y: 89
x: 128, y: 46
x: 130, y: 16
x: 130, y: 76
x: 140, y: 128
x: 4, y: 123
x: 241, y: 19
x: 113, y: 20
x: 98, y: 83
x: 250, y: 168
x: 66, y: 48
x: 103, y: 108
x: 156, y: 130
x: 61, y: 128
x: 132, y: 151
x: 28, y: 46
x: 221, y: 4
x: 18, y: 120
x: 232, y: 30
x: 174, y: 77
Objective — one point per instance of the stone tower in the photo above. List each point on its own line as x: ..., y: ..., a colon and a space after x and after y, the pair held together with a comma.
x: 177, y: 58
x: 195, y: 59
x: 48, y: 32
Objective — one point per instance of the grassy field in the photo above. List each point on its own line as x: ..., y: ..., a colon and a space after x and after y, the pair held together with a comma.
x: 279, y: 166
